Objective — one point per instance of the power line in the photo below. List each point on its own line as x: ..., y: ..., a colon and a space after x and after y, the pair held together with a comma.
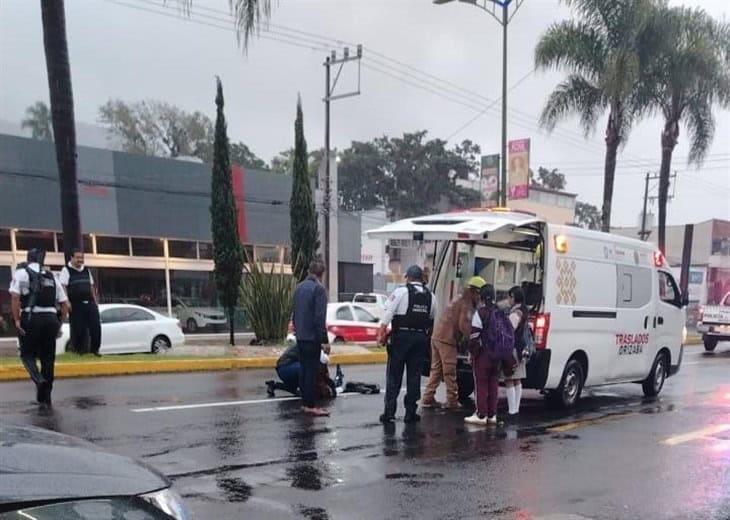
x: 456, y: 93
x: 526, y: 120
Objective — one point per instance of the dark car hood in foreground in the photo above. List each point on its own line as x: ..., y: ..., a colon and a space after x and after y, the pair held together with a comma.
x: 38, y: 465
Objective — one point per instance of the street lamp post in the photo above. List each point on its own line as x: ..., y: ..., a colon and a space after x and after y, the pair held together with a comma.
x: 491, y: 7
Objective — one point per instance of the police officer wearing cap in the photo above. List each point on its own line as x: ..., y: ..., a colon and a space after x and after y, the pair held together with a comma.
x: 79, y: 285
x: 34, y: 297
x: 411, y: 310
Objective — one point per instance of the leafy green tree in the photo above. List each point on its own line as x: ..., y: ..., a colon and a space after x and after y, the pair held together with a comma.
x: 687, y: 76
x: 603, y: 52
x: 362, y: 176
x: 159, y: 128
x: 303, y: 214
x: 550, y: 179
x: 409, y: 175
x: 587, y: 215
x: 283, y: 163
x: 38, y: 121
x: 227, y: 251
x: 242, y: 154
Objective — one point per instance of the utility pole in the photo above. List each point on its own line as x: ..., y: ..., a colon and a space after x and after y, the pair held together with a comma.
x: 503, y: 177
x: 331, y: 263
x: 644, y: 233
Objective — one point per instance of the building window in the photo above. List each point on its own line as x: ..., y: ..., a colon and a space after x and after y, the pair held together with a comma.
x: 88, y: 246
x: 147, y: 247
x: 267, y: 254
x: 26, y: 240
x: 206, y: 250
x: 5, y: 240
x: 144, y: 287
x: 287, y: 255
x: 182, y: 249
x: 112, y: 245
x: 247, y: 253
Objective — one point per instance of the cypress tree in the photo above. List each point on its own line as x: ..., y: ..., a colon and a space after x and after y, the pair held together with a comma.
x: 303, y: 214
x: 227, y: 251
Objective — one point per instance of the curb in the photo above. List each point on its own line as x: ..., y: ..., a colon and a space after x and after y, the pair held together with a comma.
x: 122, y: 368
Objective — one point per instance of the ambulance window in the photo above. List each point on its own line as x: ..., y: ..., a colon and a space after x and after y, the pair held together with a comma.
x: 626, y: 287
x: 634, y: 286
x: 668, y: 291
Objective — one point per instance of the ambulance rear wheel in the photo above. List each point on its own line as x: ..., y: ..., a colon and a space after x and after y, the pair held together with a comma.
x: 571, y: 386
x: 654, y: 383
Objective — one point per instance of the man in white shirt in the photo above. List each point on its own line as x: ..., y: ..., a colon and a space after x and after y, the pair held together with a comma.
x: 411, y: 309
x: 35, y: 295
x: 84, y: 322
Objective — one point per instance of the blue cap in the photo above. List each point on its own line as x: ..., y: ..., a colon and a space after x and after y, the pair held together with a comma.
x: 414, y: 273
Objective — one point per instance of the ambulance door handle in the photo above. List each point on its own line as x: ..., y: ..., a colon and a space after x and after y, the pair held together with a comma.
x: 661, y: 320
x: 646, y: 322
x: 655, y: 322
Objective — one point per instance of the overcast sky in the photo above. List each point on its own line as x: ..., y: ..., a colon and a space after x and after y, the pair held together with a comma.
x: 119, y: 49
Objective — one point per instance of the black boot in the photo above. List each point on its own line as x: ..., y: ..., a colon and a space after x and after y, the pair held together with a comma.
x: 270, y: 388
x: 46, y: 393
x: 387, y: 419
x: 39, y: 392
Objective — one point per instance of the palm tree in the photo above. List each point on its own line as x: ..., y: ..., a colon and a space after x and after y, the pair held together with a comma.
x: 248, y: 15
x: 38, y: 121
x: 603, y: 53
x: 688, y: 74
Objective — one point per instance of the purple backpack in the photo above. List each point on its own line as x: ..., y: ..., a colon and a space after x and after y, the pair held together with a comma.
x: 498, y: 337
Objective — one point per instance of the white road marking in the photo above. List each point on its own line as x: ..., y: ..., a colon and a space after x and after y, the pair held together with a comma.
x: 227, y: 403
x: 697, y: 434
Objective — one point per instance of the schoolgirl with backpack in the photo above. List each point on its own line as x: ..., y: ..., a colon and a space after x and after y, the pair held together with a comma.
x: 514, y: 369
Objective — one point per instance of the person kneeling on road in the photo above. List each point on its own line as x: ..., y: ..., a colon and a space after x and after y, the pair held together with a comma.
x: 289, y: 367
x: 411, y: 309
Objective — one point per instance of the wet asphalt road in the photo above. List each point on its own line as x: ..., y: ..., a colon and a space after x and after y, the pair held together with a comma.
x: 616, y: 456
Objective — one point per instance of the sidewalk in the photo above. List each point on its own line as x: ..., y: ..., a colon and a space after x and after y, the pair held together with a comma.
x: 190, y: 358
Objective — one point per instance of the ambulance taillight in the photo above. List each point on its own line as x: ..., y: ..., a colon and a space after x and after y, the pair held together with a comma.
x: 541, y: 329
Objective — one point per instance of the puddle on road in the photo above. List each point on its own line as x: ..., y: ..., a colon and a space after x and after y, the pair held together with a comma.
x: 314, y: 513
x: 234, y: 489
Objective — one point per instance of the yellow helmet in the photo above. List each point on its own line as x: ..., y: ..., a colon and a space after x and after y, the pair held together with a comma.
x: 477, y: 282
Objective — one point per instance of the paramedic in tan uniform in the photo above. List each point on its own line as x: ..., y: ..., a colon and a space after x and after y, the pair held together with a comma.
x: 451, y: 328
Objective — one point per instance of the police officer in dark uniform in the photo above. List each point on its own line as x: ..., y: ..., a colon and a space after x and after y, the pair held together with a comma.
x: 411, y: 310
x: 35, y: 296
x: 79, y: 284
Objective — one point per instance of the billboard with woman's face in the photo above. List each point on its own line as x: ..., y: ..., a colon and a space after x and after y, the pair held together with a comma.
x: 518, y: 171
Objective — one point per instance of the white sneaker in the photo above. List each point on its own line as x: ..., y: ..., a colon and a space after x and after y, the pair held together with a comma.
x: 475, y: 419
x: 491, y: 420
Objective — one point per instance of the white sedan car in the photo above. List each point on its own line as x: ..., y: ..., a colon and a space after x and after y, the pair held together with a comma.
x: 129, y: 328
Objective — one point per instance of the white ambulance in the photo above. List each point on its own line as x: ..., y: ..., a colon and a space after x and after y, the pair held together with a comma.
x: 604, y: 309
